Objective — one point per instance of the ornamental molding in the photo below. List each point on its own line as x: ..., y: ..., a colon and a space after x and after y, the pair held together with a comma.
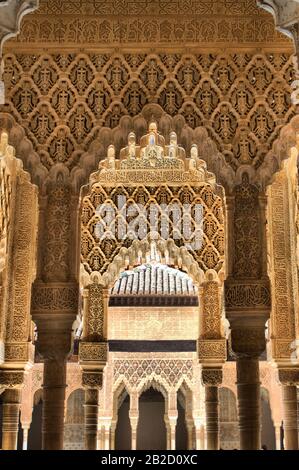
x: 147, y: 24
x: 245, y: 295
x: 54, y: 297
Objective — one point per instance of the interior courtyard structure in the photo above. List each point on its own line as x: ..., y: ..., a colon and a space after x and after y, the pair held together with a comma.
x: 149, y: 224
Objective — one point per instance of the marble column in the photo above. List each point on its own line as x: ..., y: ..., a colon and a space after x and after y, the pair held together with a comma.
x: 53, y: 403
x: 212, y: 378
x: 172, y: 425
x: 10, y: 418
x: 107, y: 427
x: 168, y: 438
x: 112, y: 435
x: 212, y: 417
x: 290, y: 417
x: 190, y: 433
x: 91, y: 409
x: 249, y: 403
x: 25, y: 436
x: 134, y: 417
x: 277, y: 436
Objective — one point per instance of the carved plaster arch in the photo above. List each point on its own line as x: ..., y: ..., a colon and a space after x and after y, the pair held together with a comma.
x: 138, y: 253
x: 23, y: 148
x: 103, y: 137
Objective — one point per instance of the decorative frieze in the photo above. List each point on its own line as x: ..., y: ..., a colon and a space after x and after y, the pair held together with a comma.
x: 53, y: 297
x: 211, y: 350
x: 93, y: 352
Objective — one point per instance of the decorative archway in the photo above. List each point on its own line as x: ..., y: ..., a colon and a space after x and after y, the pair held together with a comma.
x: 156, y: 182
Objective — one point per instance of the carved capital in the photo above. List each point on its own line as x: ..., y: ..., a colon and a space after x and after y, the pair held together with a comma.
x: 289, y: 376
x: 55, y: 343
x: 92, y: 379
x: 248, y: 342
x: 11, y: 379
x: 212, y: 377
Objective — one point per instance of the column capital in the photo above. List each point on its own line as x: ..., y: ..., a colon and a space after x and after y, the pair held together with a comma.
x: 289, y: 376
x: 248, y: 342
x: 212, y: 377
x: 92, y: 380
x: 12, y: 379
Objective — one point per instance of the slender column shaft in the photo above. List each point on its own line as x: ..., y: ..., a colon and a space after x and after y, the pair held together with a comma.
x: 112, y: 436
x: 91, y: 418
x: 107, y: 438
x: 212, y: 417
x: 25, y: 438
x: 249, y: 408
x: 190, y: 428
x: 53, y: 404
x: 277, y: 437
x: 10, y: 419
x: 290, y: 420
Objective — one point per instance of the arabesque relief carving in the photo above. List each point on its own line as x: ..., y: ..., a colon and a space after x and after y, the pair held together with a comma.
x: 18, y: 254
x: 63, y: 101
x: 116, y: 23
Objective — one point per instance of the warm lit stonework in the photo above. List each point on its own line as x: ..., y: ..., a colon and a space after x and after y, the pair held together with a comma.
x: 149, y: 225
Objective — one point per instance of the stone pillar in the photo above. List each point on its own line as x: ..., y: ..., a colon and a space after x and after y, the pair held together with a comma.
x: 54, y: 309
x: 91, y: 409
x: 172, y: 414
x: 249, y: 403
x: 25, y: 436
x: 290, y: 418
x: 190, y: 433
x: 212, y: 417
x: 168, y: 438
x: 277, y: 436
x: 134, y: 417
x: 10, y: 418
x: 212, y: 378
x: 112, y: 435
x: 172, y: 425
x: 107, y: 427
x: 53, y: 403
